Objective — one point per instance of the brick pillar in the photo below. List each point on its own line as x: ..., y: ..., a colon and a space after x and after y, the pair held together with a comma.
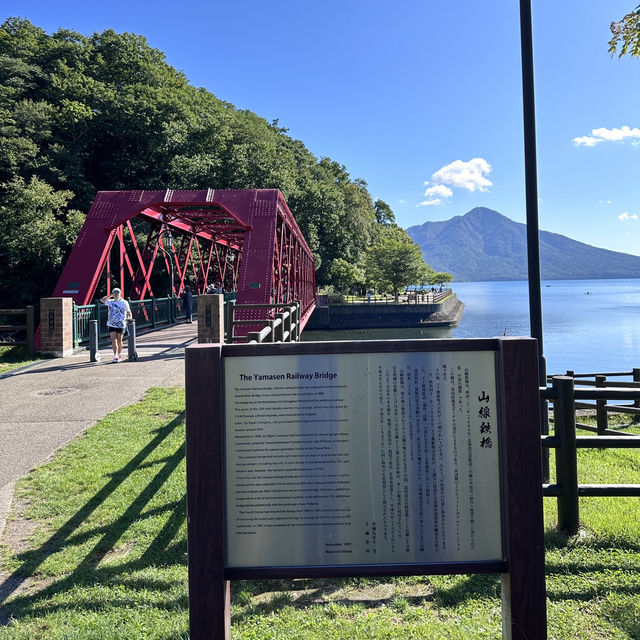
x: 56, y: 326
x: 211, y: 318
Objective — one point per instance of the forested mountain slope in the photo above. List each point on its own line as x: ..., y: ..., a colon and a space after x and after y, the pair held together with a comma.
x: 485, y: 245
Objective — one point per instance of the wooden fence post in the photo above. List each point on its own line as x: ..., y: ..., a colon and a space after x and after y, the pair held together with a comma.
x: 564, y: 415
x: 31, y: 330
x: 601, y: 412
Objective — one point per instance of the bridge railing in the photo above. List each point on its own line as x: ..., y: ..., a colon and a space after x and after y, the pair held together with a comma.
x: 566, y: 489
x: 148, y: 314
x: 284, y: 326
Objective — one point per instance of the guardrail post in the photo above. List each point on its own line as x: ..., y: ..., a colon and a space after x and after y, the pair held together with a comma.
x: 74, y: 324
x: 564, y: 415
x: 94, y: 356
x: 132, y: 353
x: 601, y: 412
x: 153, y: 313
x: 280, y: 337
x: 286, y: 330
x: 96, y: 314
x: 297, y: 318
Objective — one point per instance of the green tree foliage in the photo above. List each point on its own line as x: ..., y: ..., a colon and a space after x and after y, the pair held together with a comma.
x: 346, y: 276
x: 441, y: 278
x: 37, y: 228
x: 394, y: 261
x: 79, y: 114
x: 383, y: 213
x: 626, y: 35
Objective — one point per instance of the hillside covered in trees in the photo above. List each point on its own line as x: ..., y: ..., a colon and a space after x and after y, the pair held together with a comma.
x: 79, y: 114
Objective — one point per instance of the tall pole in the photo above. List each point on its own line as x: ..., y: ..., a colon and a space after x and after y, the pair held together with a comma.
x: 173, y: 292
x: 531, y: 179
x: 531, y: 184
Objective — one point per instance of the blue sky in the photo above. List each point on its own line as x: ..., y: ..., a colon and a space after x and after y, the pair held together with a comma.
x: 421, y: 99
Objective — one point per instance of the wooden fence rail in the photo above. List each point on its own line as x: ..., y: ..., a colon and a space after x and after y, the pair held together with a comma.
x: 567, y: 489
x: 9, y: 330
x: 601, y: 407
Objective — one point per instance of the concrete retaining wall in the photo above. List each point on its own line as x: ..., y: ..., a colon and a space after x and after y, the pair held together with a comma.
x: 385, y: 316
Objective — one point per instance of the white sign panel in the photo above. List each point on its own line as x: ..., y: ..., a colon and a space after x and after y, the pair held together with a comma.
x: 362, y: 459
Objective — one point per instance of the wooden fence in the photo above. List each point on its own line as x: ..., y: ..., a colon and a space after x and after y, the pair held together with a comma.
x: 566, y: 398
x: 23, y: 333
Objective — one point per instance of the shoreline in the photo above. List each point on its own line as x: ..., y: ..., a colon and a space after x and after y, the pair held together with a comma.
x: 336, y: 317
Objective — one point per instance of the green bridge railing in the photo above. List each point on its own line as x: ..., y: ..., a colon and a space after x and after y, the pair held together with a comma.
x: 148, y: 314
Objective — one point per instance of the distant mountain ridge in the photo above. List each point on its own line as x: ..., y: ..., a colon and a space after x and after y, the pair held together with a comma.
x: 485, y: 245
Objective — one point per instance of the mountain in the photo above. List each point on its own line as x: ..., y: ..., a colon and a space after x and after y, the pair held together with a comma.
x: 485, y: 245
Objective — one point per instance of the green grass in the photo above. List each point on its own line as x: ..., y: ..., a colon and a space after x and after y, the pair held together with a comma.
x: 106, y: 557
x: 14, y: 357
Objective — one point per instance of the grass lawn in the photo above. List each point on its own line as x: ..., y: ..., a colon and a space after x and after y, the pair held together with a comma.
x: 96, y: 549
x: 14, y: 357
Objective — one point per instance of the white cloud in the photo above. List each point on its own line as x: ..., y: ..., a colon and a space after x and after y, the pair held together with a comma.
x: 469, y: 175
x: 438, y: 190
x: 457, y: 175
x: 627, y: 216
x: 608, y: 135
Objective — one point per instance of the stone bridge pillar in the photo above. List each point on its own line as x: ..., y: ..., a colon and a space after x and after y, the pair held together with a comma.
x: 56, y: 326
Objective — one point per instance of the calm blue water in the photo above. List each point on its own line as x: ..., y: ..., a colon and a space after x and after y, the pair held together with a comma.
x: 588, y: 325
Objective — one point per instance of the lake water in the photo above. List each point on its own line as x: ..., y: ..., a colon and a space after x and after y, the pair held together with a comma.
x: 588, y: 325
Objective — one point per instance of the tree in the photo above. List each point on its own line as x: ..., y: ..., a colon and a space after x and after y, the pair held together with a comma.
x: 384, y: 214
x: 345, y: 275
x: 441, y: 277
x: 626, y: 34
x: 36, y: 230
x: 394, y: 261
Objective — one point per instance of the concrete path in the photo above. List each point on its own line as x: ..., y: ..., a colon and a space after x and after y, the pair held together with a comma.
x: 43, y: 407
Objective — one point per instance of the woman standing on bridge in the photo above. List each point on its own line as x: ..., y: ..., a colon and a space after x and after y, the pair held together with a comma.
x: 119, y: 313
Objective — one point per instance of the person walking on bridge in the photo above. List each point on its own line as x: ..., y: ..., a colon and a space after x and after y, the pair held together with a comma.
x: 119, y: 313
x: 187, y: 304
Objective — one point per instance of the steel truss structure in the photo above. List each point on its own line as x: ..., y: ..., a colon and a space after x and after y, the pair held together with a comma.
x: 247, y: 240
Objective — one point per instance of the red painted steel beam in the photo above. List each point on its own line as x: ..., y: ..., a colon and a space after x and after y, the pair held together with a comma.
x: 248, y: 237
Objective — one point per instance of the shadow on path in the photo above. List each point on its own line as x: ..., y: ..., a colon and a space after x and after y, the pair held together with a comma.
x: 87, y: 570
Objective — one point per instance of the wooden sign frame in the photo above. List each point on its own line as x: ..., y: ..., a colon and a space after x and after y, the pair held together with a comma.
x: 522, y: 569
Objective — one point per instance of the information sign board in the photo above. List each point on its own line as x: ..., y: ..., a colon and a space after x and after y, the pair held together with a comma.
x: 362, y: 458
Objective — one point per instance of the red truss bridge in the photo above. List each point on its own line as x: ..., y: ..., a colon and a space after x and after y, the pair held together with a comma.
x: 246, y: 240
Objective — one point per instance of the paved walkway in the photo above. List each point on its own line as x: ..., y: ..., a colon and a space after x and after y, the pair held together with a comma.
x: 43, y: 407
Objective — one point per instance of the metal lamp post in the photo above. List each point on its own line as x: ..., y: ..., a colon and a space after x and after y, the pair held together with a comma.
x: 173, y: 292
x: 531, y: 186
x: 168, y: 254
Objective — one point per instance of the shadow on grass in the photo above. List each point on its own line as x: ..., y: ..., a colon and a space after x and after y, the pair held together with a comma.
x: 88, y: 572
x: 322, y: 592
